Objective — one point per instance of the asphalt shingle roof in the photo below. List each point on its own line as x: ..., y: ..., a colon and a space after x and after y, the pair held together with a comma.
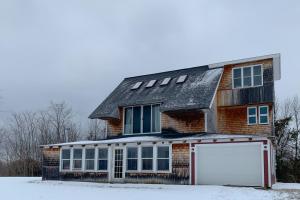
x: 195, y: 93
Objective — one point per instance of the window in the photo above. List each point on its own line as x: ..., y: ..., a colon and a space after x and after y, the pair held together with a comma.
x: 142, y: 119
x: 147, y: 158
x: 247, y: 76
x: 263, y: 115
x: 151, y: 83
x: 132, y: 158
x: 163, y: 158
x: 77, y: 159
x: 181, y: 79
x: 136, y: 86
x: 66, y: 156
x: 90, y: 159
x: 102, y: 158
x: 165, y: 81
x: 252, y: 115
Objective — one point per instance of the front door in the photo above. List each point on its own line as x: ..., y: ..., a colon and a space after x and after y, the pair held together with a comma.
x: 118, y: 164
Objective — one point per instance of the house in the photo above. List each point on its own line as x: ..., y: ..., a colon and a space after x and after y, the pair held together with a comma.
x: 211, y: 124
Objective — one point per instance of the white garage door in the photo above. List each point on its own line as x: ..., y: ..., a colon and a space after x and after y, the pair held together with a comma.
x: 239, y: 164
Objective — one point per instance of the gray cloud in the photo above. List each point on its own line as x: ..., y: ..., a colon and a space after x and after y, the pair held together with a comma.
x: 78, y: 51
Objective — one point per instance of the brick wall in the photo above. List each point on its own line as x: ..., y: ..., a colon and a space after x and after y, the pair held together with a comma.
x: 183, y: 122
x: 234, y: 120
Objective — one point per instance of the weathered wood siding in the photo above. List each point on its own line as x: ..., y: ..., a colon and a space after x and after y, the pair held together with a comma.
x: 233, y: 120
x: 183, y: 122
x: 264, y: 94
x: 50, y: 168
x: 101, y: 177
x: 115, y: 126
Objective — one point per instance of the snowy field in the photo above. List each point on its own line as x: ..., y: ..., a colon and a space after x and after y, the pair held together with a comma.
x: 34, y: 188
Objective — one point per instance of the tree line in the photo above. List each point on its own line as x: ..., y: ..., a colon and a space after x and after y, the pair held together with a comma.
x: 24, y: 132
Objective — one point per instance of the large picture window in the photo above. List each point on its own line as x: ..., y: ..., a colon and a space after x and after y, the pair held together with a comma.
x: 132, y: 158
x: 102, y: 159
x: 142, y: 119
x: 163, y: 158
x: 66, y: 159
x: 77, y: 159
x: 147, y: 158
x: 247, y: 76
x: 90, y: 159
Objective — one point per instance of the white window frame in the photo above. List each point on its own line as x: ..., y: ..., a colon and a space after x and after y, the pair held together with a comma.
x: 82, y: 159
x: 137, y: 158
x: 170, y: 158
x: 266, y: 115
x: 242, y: 76
x: 141, y: 121
x: 248, y: 115
x: 61, y: 159
x: 85, y: 159
x: 153, y: 154
x: 97, y: 160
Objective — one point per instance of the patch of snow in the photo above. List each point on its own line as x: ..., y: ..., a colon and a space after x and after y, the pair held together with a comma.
x: 34, y: 189
x: 286, y: 186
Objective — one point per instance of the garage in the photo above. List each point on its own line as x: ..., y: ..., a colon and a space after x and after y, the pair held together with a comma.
x: 236, y: 164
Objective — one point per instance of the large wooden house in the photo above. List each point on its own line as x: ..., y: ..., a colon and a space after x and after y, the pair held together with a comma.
x: 211, y: 124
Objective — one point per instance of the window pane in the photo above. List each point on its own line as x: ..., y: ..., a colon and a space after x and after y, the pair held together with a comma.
x: 66, y: 164
x: 163, y: 164
x: 257, y: 70
x: 128, y: 120
x: 247, y: 71
x: 237, y: 73
x: 263, y: 110
x: 77, y: 164
x: 147, y: 164
x: 146, y: 119
x: 137, y: 120
x: 90, y: 153
x: 102, y: 164
x: 77, y: 154
x: 257, y: 80
x: 147, y: 152
x: 102, y: 154
x: 132, y: 164
x: 162, y: 152
x: 66, y: 154
x: 252, y: 111
x: 263, y: 119
x: 237, y: 83
x: 132, y: 152
x: 247, y: 81
x: 252, y: 120
x: 89, y: 165
x: 155, y: 118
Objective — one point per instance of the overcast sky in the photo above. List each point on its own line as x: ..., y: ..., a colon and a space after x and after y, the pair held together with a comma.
x: 78, y: 51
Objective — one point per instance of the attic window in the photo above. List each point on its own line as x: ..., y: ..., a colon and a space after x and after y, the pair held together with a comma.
x: 136, y: 86
x: 181, y: 79
x: 166, y: 81
x: 151, y: 83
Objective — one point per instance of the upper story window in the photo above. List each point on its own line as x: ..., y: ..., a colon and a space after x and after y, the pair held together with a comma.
x: 258, y: 114
x: 250, y: 76
x: 142, y: 119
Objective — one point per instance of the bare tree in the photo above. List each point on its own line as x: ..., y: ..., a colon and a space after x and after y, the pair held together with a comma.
x: 96, y: 129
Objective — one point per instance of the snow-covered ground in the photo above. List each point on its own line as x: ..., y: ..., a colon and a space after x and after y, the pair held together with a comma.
x: 34, y: 188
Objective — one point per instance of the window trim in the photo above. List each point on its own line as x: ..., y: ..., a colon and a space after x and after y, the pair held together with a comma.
x: 85, y: 159
x: 82, y: 159
x: 248, y: 115
x: 137, y: 158
x: 141, y: 121
x: 97, y: 159
x: 267, y: 115
x: 242, y: 76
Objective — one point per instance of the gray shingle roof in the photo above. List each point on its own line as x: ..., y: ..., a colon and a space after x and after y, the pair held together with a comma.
x: 195, y: 93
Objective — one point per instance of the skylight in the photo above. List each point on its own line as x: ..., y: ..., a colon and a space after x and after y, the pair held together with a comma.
x: 137, y: 85
x: 181, y: 79
x: 151, y: 83
x: 166, y: 81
